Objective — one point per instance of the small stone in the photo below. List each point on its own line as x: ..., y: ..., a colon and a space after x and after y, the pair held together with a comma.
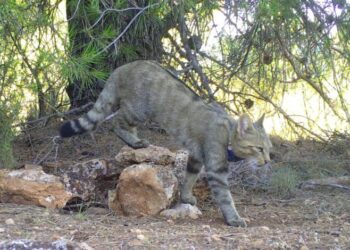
x: 247, y: 220
x: 85, y: 246
x: 258, y: 243
x: 304, y: 248
x: 216, y: 237
x: 135, y: 231
x: 335, y: 233
x: 171, y: 222
x: 206, y: 227
x: 2, y: 230
x: 56, y: 236
x: 265, y: 228
x: 74, y: 231
x: 182, y: 211
x: 141, y: 237
x: 9, y: 221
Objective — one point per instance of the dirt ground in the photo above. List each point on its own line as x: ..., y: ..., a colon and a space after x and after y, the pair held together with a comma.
x: 312, y: 219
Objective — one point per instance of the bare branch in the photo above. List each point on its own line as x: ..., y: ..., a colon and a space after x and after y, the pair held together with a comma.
x: 75, y: 11
x: 113, y: 10
x: 192, y: 58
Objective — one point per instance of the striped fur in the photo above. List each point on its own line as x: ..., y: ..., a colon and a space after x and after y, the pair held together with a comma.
x: 144, y: 90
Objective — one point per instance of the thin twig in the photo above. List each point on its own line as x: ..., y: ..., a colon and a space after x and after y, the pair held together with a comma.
x: 59, y: 114
x: 75, y: 11
x: 116, y: 10
x: 54, y: 148
x: 110, y: 116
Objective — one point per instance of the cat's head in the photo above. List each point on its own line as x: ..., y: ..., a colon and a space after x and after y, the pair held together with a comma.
x: 249, y: 140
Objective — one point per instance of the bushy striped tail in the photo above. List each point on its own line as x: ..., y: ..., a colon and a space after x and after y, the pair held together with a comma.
x: 105, y: 103
x: 77, y: 126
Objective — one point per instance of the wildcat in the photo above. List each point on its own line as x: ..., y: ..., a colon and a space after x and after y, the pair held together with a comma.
x: 143, y: 90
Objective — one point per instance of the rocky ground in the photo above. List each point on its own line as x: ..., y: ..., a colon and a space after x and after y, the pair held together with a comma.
x: 305, y: 219
x: 311, y: 220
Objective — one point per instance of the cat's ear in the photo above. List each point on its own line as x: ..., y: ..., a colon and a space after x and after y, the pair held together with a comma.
x: 260, y: 121
x: 244, y: 124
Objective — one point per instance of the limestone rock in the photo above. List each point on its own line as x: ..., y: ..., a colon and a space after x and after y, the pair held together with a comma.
x: 81, y: 178
x: 144, y: 189
x: 32, y: 244
x: 33, y: 186
x: 182, y: 211
x: 157, y: 155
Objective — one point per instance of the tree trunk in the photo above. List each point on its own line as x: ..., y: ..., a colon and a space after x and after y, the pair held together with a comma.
x: 147, y: 46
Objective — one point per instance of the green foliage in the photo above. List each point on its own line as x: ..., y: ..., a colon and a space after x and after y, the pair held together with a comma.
x: 128, y: 51
x: 81, y: 67
x: 277, y: 9
x: 283, y: 182
x: 261, y: 50
x: 6, y: 136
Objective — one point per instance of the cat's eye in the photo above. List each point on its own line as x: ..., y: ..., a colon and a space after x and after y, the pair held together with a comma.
x: 254, y: 148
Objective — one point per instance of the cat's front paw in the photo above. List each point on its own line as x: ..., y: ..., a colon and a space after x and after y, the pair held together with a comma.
x: 237, y: 222
x: 140, y: 144
x: 189, y: 199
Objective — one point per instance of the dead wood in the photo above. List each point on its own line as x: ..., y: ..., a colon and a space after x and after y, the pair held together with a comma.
x: 342, y: 182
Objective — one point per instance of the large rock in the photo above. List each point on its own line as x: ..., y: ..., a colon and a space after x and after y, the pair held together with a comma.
x: 89, y: 180
x: 82, y: 178
x: 33, y: 186
x: 58, y: 187
x: 157, y: 155
x: 144, y: 189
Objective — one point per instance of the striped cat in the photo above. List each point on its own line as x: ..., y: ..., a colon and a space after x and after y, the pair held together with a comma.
x: 143, y: 90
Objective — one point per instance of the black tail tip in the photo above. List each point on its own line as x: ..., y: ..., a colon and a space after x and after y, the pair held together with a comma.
x: 67, y: 129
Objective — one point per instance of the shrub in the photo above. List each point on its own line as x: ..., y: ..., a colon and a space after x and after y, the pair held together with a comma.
x: 6, y: 136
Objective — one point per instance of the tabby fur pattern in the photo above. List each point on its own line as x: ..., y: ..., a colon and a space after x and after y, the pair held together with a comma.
x: 143, y: 90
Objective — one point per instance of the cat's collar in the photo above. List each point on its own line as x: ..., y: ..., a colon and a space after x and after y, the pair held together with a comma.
x: 231, y: 155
